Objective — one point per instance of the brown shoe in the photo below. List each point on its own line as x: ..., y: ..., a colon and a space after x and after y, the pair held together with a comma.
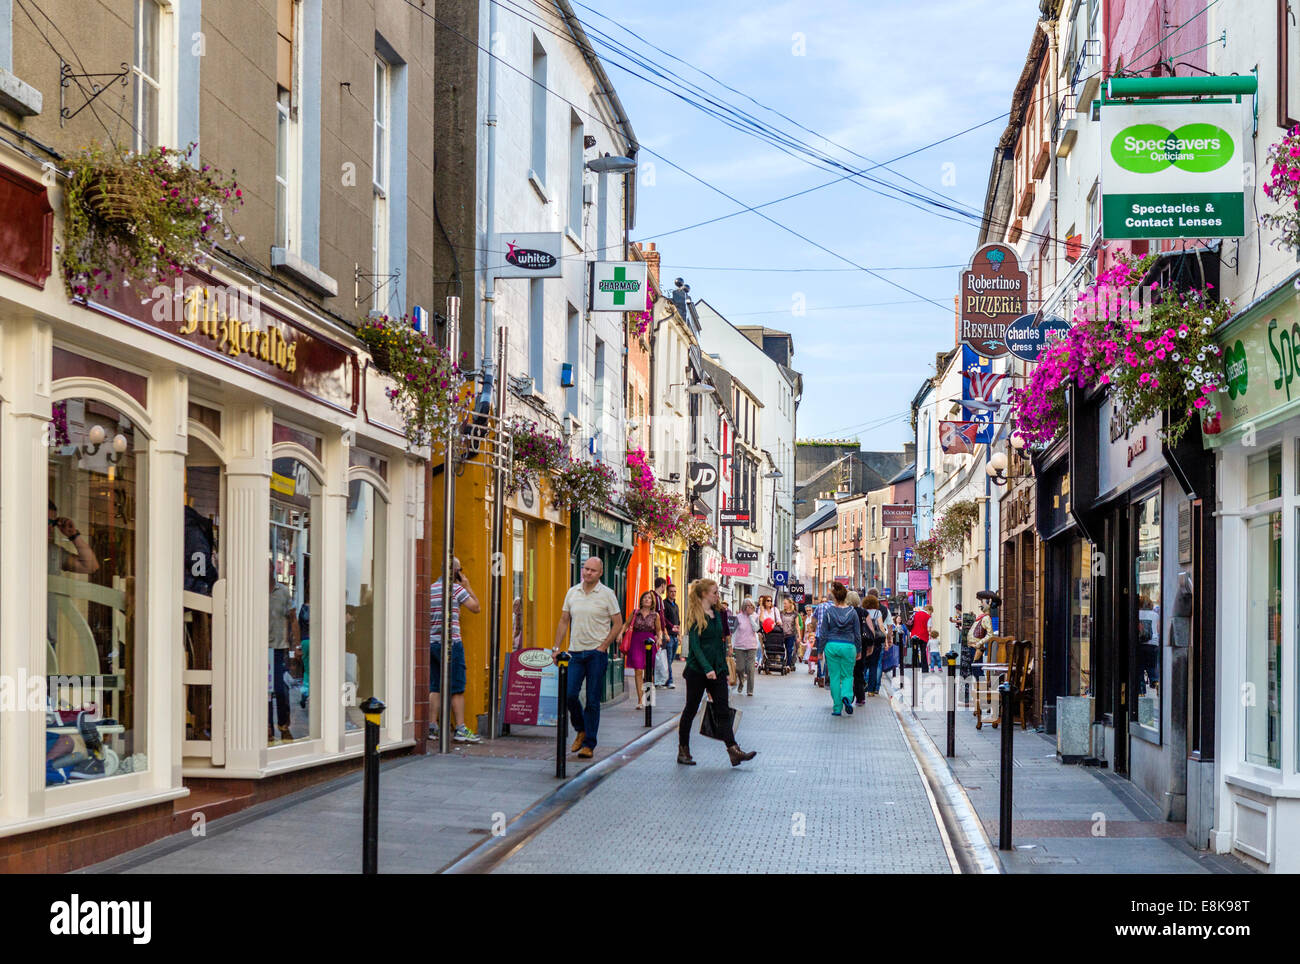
x: 739, y: 756
x: 684, y: 756
x: 286, y: 734
x: 584, y: 753
x: 577, y: 743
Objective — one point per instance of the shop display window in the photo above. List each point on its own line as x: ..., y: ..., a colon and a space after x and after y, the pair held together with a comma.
x: 1262, y: 692
x: 95, y: 633
x: 1148, y: 645
x: 201, y: 569
x: 292, y: 661
x: 367, y: 528
x: 1080, y: 589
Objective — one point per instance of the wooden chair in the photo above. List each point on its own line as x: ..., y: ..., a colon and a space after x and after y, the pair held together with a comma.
x: 1020, y: 674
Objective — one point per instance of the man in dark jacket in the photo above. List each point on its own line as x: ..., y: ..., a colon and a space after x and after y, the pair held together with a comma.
x: 673, y: 620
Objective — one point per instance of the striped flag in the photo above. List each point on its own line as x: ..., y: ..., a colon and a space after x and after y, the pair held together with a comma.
x: 957, y: 438
x: 983, y: 384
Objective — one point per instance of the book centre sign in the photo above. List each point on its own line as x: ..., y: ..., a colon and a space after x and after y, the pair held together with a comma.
x: 1172, y: 170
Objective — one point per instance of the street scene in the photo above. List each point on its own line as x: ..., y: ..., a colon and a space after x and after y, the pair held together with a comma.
x: 840, y: 437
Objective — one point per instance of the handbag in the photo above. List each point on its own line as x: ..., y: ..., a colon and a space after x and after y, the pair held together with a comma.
x: 625, y: 644
x: 710, y: 725
x: 661, y: 667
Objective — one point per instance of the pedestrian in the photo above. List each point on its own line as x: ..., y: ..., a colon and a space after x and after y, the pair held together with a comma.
x: 283, y: 622
x: 891, y: 654
x: 728, y: 627
x: 810, y: 650
x: 934, y: 649
x: 875, y: 636
x: 920, y: 630
x: 789, y: 629
x: 592, y: 617
x: 840, y: 634
x: 673, y: 628
x: 644, y: 625
x: 461, y: 596
x: 706, y: 671
x: 744, y: 646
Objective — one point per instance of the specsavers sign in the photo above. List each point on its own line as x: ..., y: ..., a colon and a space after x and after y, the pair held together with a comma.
x: 1261, y: 368
x: 1172, y: 171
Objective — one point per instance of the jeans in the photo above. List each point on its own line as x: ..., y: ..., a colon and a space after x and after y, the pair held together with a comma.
x: 872, y: 666
x: 672, y: 655
x: 917, y: 656
x: 745, y: 661
x: 839, y: 667
x: 590, y: 664
x: 696, y: 685
x: 934, y: 660
x: 789, y: 651
x: 279, y: 657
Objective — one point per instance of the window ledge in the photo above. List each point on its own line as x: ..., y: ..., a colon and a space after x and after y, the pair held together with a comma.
x: 538, y: 186
x: 573, y: 236
x: 17, y: 96
x: 292, y: 264
x: 1273, y: 790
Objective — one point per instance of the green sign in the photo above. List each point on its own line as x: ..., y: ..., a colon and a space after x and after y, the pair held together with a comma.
x: 1261, y: 368
x: 1172, y: 170
x: 618, y: 286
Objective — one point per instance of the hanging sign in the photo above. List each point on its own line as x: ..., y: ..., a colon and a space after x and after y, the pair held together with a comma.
x: 897, y: 516
x: 1026, y: 338
x: 918, y: 580
x: 746, y: 555
x: 701, y: 476
x: 735, y: 569
x: 618, y: 286
x: 994, y: 293
x: 733, y: 517
x: 1172, y: 170
x: 529, y: 255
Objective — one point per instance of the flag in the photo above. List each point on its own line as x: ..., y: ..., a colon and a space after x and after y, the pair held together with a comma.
x: 958, y: 438
x: 982, y: 384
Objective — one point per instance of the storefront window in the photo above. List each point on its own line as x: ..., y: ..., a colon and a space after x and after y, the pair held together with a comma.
x: 1262, y: 692
x: 95, y: 716
x: 1146, y: 586
x: 1080, y: 618
x: 367, y: 526
x: 201, y: 565
x: 291, y: 659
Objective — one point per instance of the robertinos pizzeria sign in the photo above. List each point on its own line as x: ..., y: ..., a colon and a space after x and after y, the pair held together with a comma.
x: 1172, y: 170
x: 994, y: 293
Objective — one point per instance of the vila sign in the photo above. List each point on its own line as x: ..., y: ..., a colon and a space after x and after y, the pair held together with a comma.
x: 529, y: 255
x: 618, y: 286
x: 733, y: 517
x: 746, y: 555
x: 994, y: 293
x: 1172, y: 171
x: 896, y: 516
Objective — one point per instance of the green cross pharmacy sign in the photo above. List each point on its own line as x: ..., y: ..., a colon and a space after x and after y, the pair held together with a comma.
x: 618, y: 286
x: 1172, y: 170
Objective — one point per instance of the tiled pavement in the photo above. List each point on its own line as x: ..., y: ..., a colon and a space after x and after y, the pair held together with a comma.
x: 432, y: 808
x: 1065, y: 819
x: 825, y: 794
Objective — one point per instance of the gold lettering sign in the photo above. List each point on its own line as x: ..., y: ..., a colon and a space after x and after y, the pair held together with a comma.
x: 206, y: 315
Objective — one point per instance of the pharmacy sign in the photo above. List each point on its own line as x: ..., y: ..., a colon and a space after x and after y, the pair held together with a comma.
x: 1172, y: 170
x: 618, y: 286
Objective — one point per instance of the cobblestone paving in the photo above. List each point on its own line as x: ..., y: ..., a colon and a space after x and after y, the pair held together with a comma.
x: 825, y: 794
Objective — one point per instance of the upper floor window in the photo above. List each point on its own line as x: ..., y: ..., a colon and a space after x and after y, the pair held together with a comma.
x: 146, y: 73
x: 576, y: 153
x: 538, y: 158
x: 380, y: 170
x: 288, y: 170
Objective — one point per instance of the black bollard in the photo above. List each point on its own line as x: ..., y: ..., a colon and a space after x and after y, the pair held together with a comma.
x: 1005, y: 694
x: 915, y: 658
x: 952, y: 704
x: 562, y: 724
x: 648, y: 680
x: 373, y: 709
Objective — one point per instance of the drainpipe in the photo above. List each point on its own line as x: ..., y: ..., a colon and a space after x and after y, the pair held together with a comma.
x: 488, y: 336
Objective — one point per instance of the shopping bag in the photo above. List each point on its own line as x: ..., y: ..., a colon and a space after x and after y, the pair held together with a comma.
x: 661, y: 667
x: 710, y: 726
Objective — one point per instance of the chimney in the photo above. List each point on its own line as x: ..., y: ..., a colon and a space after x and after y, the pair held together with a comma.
x: 909, y: 453
x: 652, y: 259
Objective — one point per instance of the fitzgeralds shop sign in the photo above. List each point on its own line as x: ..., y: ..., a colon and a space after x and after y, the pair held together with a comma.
x: 994, y: 293
x: 1172, y: 170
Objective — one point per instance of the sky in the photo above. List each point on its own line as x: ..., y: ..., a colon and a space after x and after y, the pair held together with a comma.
x: 879, y: 78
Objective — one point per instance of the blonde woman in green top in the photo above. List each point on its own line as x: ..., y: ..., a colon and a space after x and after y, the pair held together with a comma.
x: 706, y: 670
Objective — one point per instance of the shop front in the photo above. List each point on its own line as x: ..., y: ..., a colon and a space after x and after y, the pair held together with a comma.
x: 669, y: 562
x: 608, y: 537
x: 197, y: 452
x: 1140, y: 579
x: 1256, y: 437
x: 1019, y: 569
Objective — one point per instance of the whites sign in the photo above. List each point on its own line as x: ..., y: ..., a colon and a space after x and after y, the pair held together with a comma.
x: 529, y: 255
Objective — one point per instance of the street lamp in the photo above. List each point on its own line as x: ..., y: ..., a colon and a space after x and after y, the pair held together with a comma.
x: 771, y: 552
x: 997, y: 468
x: 612, y: 164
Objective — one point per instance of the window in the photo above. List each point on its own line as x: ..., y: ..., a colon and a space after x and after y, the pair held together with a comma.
x: 146, y: 73
x: 1262, y: 694
x: 95, y: 631
x: 1094, y: 209
x: 1147, y: 581
x: 379, y: 166
x: 538, y: 158
x: 576, y: 152
x: 367, y: 528
x: 292, y: 661
x: 536, y: 331
x: 288, y: 172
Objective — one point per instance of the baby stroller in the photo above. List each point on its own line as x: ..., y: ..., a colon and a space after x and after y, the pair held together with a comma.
x: 774, y: 652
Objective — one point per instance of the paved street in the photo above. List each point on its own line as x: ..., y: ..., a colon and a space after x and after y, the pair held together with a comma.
x: 824, y: 795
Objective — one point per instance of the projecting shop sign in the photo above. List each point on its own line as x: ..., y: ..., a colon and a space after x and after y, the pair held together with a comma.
x: 528, y: 255
x: 1172, y: 171
x: 994, y: 293
x: 618, y: 286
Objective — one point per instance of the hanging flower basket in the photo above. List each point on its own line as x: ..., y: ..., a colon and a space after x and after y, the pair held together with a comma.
x: 581, y: 484
x: 428, y: 388
x: 698, y: 532
x: 537, y: 453
x: 1283, y: 186
x: 142, y: 218
x: 658, y: 513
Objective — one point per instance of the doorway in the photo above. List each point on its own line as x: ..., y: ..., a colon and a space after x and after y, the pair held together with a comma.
x: 203, y: 600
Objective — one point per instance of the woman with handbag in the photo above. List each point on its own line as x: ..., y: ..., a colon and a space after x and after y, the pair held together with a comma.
x: 839, y: 632
x: 645, y: 625
x: 745, y: 646
x: 706, y: 671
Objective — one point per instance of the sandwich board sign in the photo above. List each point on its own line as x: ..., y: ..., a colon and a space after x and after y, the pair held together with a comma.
x: 1172, y: 170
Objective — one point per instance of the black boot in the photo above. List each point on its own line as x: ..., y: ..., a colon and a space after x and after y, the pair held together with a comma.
x: 684, y: 756
x: 739, y: 756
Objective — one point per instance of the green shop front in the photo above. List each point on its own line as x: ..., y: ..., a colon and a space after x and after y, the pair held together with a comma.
x: 608, y: 536
x: 1256, y: 435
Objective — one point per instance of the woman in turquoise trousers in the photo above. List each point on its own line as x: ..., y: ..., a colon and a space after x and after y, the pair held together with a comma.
x: 839, y: 633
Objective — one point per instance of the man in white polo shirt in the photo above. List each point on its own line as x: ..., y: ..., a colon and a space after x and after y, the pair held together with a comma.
x: 593, y: 618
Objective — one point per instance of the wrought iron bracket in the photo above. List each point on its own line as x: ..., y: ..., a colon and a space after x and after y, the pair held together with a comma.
x: 89, y: 90
x: 374, y: 283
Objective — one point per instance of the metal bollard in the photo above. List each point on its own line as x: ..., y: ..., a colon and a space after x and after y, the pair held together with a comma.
x: 562, y: 724
x: 952, y: 704
x: 915, y: 658
x: 372, y: 708
x: 1005, y: 693
x: 648, y: 680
